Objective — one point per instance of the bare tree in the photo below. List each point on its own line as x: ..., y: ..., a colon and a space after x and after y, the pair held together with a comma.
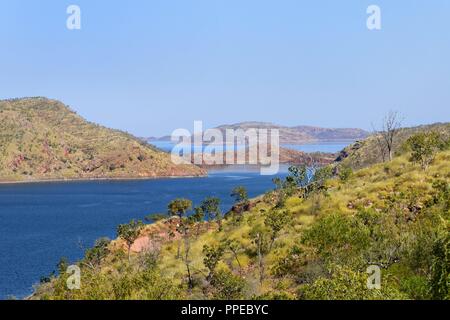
x: 386, y: 137
x: 380, y: 142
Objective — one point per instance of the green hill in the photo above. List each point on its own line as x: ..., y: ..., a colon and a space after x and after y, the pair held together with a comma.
x: 307, y: 241
x: 42, y: 139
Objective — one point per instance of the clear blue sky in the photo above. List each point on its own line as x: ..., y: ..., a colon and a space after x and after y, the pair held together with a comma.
x: 151, y: 66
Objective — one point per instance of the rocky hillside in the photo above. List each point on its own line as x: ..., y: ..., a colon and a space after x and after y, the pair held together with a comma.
x: 368, y: 152
x: 297, y: 134
x: 42, y: 139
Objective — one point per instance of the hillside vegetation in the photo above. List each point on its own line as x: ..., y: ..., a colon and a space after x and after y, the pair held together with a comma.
x: 312, y: 237
x: 42, y: 139
x: 369, y: 151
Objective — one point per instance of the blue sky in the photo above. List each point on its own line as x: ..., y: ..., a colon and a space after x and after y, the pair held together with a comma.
x: 150, y: 66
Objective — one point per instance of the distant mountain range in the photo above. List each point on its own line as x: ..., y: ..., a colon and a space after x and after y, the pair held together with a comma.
x: 296, y: 134
x: 42, y: 139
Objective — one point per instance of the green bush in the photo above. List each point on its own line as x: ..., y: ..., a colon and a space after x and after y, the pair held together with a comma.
x: 345, y: 173
x: 338, y: 237
x: 346, y: 284
x: 227, y: 286
x: 424, y: 146
x: 440, y: 270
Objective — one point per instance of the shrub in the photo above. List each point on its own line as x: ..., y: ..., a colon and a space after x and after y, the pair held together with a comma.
x: 345, y: 173
x: 416, y: 287
x: 95, y: 255
x: 145, y: 285
x: 227, y: 286
x: 240, y: 195
x: 338, y: 237
x: 345, y: 284
x: 424, y: 147
x: 440, y: 270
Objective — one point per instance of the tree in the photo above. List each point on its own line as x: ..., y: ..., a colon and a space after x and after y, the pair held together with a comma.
x: 130, y: 232
x: 260, y: 238
x: 380, y: 143
x: 187, y: 225
x: 179, y: 208
x: 424, y: 146
x: 187, y: 261
x: 390, y: 129
x: 196, y: 218
x: 95, y: 255
x: 286, y: 188
x: 211, y: 207
x: 213, y: 254
x: 198, y: 215
x: 298, y: 175
x: 234, y: 247
x: 240, y: 195
x: 276, y: 220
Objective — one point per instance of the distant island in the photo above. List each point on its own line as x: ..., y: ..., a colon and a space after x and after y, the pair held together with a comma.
x: 43, y: 139
x: 296, y: 134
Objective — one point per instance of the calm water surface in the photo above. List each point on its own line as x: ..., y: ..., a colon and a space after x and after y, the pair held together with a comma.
x: 40, y: 223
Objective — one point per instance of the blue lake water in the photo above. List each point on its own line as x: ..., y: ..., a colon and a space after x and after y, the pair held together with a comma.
x: 40, y: 223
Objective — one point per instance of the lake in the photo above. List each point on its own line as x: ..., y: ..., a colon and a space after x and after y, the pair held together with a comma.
x: 42, y: 222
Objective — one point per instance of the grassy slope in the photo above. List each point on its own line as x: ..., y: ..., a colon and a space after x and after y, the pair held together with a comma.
x: 383, y: 214
x: 367, y: 152
x: 367, y: 188
x: 42, y: 139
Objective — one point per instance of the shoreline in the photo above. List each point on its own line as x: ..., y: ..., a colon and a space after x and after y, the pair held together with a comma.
x: 208, y: 168
x: 39, y: 181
